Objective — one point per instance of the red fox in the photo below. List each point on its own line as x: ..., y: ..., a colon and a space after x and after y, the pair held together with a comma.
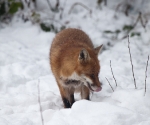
x: 74, y: 63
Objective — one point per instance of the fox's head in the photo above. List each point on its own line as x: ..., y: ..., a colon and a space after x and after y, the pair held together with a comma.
x: 88, y: 68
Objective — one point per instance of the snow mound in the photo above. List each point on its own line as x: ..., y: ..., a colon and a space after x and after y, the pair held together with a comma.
x: 97, y: 113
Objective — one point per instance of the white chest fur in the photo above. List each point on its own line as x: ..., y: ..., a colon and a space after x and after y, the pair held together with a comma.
x: 75, y: 80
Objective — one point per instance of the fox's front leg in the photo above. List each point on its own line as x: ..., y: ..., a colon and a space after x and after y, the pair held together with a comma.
x: 85, y: 92
x: 71, y: 96
x: 65, y: 96
x: 67, y: 89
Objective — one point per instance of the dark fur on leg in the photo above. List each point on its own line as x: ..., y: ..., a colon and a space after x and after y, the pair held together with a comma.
x: 66, y: 103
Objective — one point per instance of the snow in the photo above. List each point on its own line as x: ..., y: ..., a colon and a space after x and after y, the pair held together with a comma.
x: 24, y: 63
x: 98, y: 113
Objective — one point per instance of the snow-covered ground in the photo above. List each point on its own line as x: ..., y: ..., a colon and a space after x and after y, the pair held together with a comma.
x: 24, y: 63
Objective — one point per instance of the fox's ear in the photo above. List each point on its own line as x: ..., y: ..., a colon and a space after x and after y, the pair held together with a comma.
x: 97, y: 49
x: 84, y: 55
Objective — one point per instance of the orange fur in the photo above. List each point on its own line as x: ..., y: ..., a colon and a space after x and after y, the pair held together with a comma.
x: 74, y: 62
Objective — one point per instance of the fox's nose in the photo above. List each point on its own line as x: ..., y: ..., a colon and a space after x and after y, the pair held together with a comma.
x: 98, y: 89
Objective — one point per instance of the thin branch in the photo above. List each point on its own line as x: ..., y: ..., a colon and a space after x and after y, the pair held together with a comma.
x: 77, y: 3
x: 139, y: 18
x: 57, y: 4
x: 112, y: 73
x: 134, y: 25
x: 146, y: 74
x: 131, y: 63
x: 34, y: 2
x: 49, y: 4
x: 105, y: 2
x: 62, y: 10
x: 39, y: 101
x: 117, y: 8
x: 142, y: 23
x: 128, y: 6
x: 110, y: 84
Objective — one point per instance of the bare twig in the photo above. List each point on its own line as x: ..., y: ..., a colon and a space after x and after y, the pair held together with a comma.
x: 62, y: 10
x: 105, y: 2
x: 112, y: 73
x: 146, y: 74
x: 139, y: 18
x: 134, y: 25
x: 142, y: 23
x: 110, y: 84
x: 131, y: 62
x: 39, y: 101
x: 57, y: 4
x: 34, y: 2
x: 128, y: 6
x: 49, y: 4
x: 117, y: 8
x: 81, y: 4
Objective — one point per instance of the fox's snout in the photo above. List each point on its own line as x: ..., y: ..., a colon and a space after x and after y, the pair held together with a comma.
x: 96, y: 88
